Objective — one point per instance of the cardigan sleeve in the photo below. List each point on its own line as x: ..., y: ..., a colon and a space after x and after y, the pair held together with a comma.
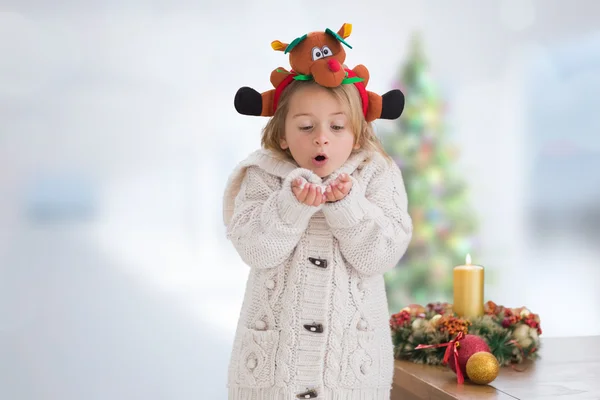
x: 268, y: 221
x: 372, y: 224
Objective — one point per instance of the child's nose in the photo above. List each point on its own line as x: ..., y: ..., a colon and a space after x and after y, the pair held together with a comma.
x: 321, y: 139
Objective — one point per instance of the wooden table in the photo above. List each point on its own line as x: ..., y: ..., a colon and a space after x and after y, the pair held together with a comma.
x: 569, y: 368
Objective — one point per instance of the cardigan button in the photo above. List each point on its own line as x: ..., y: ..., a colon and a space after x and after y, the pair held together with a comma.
x: 319, y: 262
x: 362, y: 325
x: 365, y: 368
x: 260, y: 325
x: 310, y: 394
x: 317, y: 328
x: 270, y: 284
x: 360, y: 286
x: 251, y: 364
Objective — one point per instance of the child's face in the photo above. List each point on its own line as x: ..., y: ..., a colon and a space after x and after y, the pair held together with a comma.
x: 318, y: 131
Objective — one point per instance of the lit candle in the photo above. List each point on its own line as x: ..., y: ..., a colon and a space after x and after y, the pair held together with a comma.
x: 468, y: 289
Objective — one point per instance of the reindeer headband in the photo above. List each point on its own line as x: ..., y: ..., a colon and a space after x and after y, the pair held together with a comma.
x: 319, y: 56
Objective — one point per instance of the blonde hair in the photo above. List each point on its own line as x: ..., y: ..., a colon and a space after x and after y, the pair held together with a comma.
x: 347, y: 95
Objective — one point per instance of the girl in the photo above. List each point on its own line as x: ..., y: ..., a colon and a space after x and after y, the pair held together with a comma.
x: 319, y: 214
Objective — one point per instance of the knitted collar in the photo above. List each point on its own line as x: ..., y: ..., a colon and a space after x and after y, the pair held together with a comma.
x: 319, y: 57
x: 276, y: 166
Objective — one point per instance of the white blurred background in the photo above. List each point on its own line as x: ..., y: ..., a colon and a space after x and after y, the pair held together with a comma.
x: 118, y: 131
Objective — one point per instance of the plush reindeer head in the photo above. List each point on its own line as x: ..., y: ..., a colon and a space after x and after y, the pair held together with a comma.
x: 318, y: 54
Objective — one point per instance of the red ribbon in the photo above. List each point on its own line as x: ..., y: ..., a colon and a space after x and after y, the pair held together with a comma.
x: 517, y: 345
x: 451, y: 346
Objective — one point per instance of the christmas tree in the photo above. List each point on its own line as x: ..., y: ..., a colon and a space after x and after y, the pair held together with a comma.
x: 444, y: 225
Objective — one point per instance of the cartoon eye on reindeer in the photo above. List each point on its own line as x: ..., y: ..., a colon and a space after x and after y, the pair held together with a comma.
x: 319, y: 56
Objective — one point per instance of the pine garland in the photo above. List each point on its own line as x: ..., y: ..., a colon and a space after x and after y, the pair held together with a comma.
x: 511, y: 333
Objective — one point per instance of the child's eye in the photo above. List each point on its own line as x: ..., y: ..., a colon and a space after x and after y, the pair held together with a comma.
x: 305, y: 128
x: 337, y: 127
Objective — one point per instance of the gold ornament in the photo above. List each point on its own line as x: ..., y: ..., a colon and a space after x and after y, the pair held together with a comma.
x: 482, y: 368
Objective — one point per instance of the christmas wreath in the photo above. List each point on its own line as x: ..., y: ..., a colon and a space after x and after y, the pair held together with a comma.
x: 512, y: 334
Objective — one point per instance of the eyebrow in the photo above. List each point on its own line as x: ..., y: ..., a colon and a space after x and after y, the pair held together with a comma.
x: 310, y: 115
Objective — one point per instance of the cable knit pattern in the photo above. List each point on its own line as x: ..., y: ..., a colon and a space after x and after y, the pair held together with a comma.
x: 284, y: 357
x: 339, y: 296
x: 369, y: 221
x: 314, y: 320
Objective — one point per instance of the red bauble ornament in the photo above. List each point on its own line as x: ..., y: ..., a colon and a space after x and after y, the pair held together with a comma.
x: 467, y: 346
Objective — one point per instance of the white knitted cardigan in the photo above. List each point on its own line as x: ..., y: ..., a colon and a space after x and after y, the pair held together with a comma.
x: 314, y: 321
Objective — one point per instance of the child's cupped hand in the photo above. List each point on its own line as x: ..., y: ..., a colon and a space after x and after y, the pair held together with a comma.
x: 339, y: 188
x: 313, y: 195
x: 308, y: 193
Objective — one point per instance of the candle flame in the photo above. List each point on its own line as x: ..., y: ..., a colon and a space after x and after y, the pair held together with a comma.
x: 468, y: 259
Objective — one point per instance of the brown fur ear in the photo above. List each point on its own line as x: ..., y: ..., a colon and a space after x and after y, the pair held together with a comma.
x: 278, y: 46
x: 345, y: 31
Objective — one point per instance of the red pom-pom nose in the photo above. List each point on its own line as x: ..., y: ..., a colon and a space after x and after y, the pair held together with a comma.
x: 334, y: 65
